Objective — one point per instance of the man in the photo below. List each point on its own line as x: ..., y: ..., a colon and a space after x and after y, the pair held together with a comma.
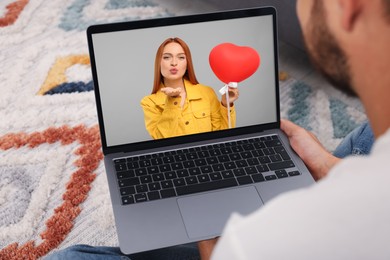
x: 346, y: 214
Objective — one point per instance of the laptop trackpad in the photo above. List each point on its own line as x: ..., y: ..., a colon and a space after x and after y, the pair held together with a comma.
x: 205, y: 215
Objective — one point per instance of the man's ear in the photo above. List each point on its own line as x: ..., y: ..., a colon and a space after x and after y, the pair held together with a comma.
x: 349, y: 11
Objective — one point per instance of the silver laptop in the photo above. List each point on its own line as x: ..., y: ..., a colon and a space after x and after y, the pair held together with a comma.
x: 183, y: 189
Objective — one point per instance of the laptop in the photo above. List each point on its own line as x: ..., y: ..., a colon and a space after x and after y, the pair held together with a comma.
x: 182, y: 189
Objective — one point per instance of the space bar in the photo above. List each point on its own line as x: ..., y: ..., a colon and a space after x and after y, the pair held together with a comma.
x: 189, y: 189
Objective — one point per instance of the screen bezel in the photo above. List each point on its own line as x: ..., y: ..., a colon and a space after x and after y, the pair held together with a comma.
x: 176, y: 20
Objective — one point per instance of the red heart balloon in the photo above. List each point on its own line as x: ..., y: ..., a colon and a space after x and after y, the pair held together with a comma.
x: 232, y: 63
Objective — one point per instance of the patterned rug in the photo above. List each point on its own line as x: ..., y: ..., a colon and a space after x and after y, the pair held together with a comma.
x: 53, y: 190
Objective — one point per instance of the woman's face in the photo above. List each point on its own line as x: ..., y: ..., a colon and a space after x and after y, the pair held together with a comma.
x: 173, y: 62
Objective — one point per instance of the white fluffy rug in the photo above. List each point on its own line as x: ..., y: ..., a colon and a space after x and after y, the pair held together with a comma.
x: 53, y: 190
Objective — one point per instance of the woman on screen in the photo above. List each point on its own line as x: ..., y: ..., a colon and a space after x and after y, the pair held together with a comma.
x: 179, y: 105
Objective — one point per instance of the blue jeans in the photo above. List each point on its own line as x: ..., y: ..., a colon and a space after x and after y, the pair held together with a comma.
x: 85, y: 252
x: 358, y: 142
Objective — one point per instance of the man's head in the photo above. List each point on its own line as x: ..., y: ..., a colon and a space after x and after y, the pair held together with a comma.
x: 325, y: 51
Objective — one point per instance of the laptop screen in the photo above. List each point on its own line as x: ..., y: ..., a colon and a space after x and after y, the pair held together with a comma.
x: 123, y: 64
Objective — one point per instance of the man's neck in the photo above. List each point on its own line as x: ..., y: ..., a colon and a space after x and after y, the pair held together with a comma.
x: 370, y: 63
x: 373, y: 86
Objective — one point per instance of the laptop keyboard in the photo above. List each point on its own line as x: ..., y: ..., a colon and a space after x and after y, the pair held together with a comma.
x: 203, y: 168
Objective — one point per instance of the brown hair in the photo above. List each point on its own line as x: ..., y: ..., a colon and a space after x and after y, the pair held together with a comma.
x: 190, y: 73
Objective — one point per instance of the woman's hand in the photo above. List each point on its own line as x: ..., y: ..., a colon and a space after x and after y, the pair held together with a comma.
x: 308, y: 147
x: 233, y: 96
x: 172, y: 92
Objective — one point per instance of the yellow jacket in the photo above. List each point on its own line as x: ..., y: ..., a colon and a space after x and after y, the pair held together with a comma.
x: 202, y: 112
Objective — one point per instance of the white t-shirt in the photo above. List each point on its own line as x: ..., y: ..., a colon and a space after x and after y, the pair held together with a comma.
x: 344, y: 216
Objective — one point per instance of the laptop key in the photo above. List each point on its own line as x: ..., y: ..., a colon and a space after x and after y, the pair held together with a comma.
x: 132, y: 165
x: 294, y: 173
x: 258, y: 177
x: 167, y: 193
x: 127, y: 191
x: 216, y: 176
x: 281, y: 174
x: 270, y: 177
x: 282, y: 152
x: 230, y: 165
x: 156, y: 161
x: 153, y: 170
x: 281, y: 165
x: 141, y: 188
x: 247, y: 154
x: 203, y: 154
x: 168, y: 159
x: 223, y: 158
x: 144, y: 163
x: 128, y: 200
x: 259, y: 145
x: 129, y: 182
x: 239, y: 172
x: 146, y: 179
x: 120, y: 167
x: 251, y: 170
x: 158, y: 177
x: 264, y: 159
x: 206, y: 169
x: 125, y: 174
x: 140, y: 197
x: 203, y: 178
x: 153, y: 195
x: 177, y: 166
x: 122, y: 160
x: 179, y: 182
x: 227, y: 174
x: 268, y: 151
x: 194, y: 171
x: 212, y: 160
x: 241, y: 163
x: 170, y: 175
x: 189, y: 164
x: 244, y: 180
x: 191, y: 180
x: 207, y: 186
x: 273, y: 143
x: 165, y: 168
x: 182, y: 173
x: 180, y: 158
x: 218, y: 167
x: 154, y: 186
x: 262, y: 168
x: 140, y: 172
x: 167, y: 184
x: 200, y: 162
x: 253, y: 161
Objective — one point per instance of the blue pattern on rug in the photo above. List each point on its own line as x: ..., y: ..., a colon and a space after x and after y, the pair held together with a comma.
x: 300, y: 107
x: 120, y: 4
x: 73, y: 16
x: 342, y: 122
x: 71, y: 87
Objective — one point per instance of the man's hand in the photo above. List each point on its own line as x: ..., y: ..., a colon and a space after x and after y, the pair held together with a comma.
x: 206, y: 248
x: 308, y: 147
